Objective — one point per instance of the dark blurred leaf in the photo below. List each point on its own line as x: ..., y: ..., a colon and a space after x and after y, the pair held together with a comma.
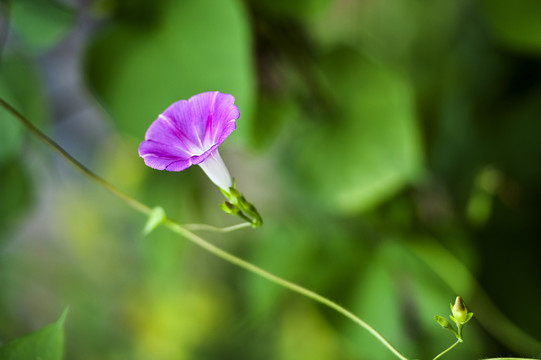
x: 137, y: 12
x: 40, y: 23
x: 273, y: 115
x: 11, y: 132
x: 369, y: 148
x: 517, y: 24
x: 480, y: 204
x: 139, y: 71
x: 299, y: 9
x: 514, y: 141
x: 15, y: 190
x: 44, y: 344
x: 19, y: 86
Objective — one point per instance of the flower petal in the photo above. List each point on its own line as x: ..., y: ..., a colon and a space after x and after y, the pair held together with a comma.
x: 164, y: 131
x: 217, y: 112
x: 154, y: 148
x: 166, y: 164
x: 189, y: 131
x: 181, y: 125
x: 160, y: 156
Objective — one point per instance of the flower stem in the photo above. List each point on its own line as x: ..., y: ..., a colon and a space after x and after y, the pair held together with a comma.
x: 205, y: 227
x: 70, y: 159
x: 448, y: 349
x: 184, y: 232
x: 279, y: 281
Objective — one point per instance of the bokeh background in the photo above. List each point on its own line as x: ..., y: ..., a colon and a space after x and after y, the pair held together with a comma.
x: 392, y: 146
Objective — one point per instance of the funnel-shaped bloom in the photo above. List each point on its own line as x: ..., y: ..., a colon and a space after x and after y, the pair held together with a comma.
x: 189, y: 132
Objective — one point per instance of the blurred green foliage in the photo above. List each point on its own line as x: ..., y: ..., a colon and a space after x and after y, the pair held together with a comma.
x: 39, y: 24
x: 20, y: 86
x: 391, y: 147
x: 515, y: 24
x: 140, y: 68
x: 373, y: 120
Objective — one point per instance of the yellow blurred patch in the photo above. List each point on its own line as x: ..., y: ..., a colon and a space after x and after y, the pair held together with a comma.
x: 171, y: 325
x: 120, y: 164
x: 305, y: 334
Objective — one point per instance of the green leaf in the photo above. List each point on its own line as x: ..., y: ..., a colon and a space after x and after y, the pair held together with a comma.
x: 139, y: 71
x: 40, y: 23
x: 155, y: 219
x: 515, y: 23
x: 44, y: 344
x: 368, y: 148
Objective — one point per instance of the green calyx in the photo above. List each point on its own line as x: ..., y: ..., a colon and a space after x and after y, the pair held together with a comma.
x: 237, y: 205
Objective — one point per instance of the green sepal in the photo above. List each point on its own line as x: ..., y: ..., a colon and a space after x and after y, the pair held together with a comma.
x: 234, y: 193
x: 251, y: 211
x: 238, y: 205
x: 155, y: 219
x: 226, y: 194
x: 229, y: 208
x: 468, y: 318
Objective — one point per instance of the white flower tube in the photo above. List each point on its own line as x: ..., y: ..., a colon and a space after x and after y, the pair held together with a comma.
x: 216, y: 170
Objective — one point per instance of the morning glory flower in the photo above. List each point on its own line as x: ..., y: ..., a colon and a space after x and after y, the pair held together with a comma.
x: 189, y: 132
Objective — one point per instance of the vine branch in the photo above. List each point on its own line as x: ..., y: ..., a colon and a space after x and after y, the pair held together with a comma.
x: 187, y: 234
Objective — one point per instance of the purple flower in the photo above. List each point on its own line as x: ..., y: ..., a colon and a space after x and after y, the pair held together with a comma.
x: 189, y: 132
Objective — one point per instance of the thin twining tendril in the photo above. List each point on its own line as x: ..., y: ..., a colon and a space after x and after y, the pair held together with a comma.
x: 187, y: 234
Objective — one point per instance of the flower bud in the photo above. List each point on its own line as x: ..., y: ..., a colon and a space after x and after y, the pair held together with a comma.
x: 460, y: 312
